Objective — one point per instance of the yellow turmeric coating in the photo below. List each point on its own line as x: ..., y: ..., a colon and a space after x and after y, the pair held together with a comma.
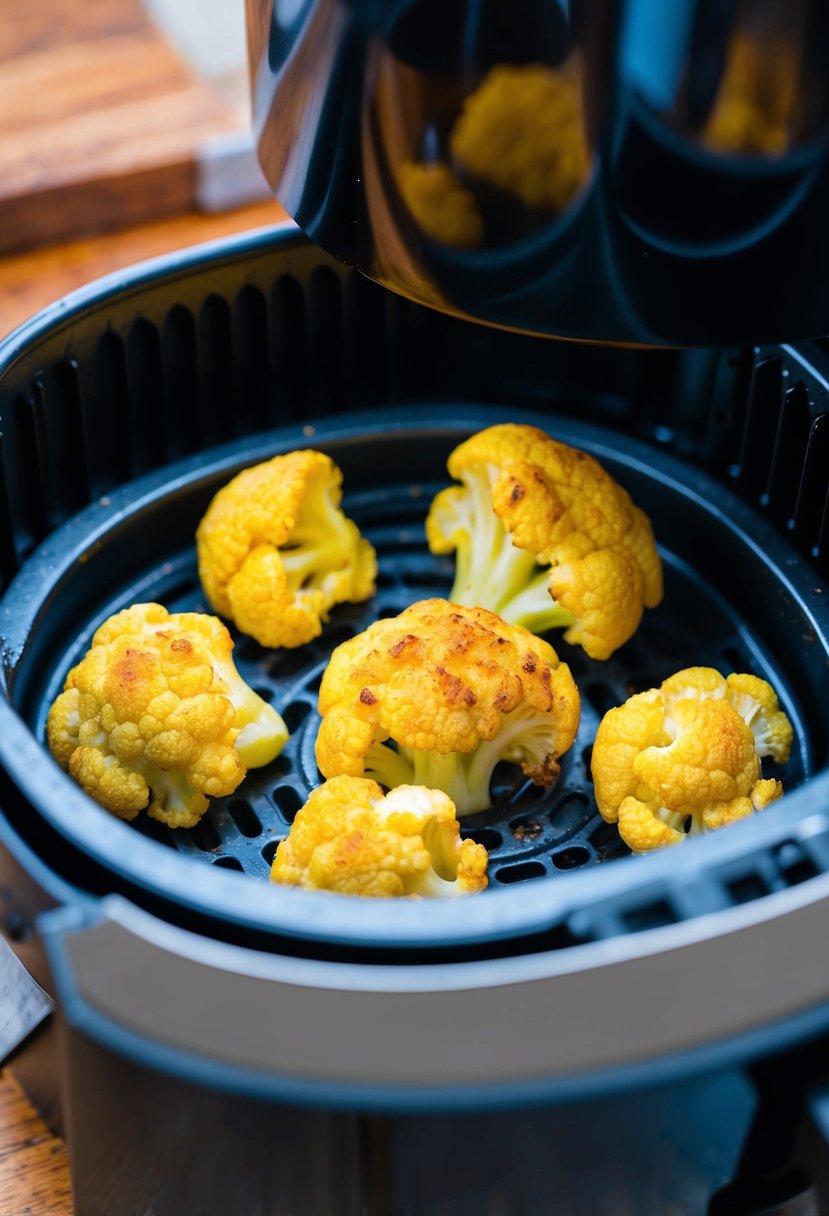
x: 457, y: 689
x: 155, y: 715
x: 523, y: 131
x: 443, y: 208
x: 545, y: 537
x: 352, y: 839
x: 687, y: 755
x: 276, y: 552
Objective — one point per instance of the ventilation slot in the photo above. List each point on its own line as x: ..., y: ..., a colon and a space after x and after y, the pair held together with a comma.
x: 245, y: 818
x: 488, y: 837
x: 229, y: 863
x: 288, y: 349
x: 364, y: 382
x: 8, y: 552
x: 747, y: 887
x: 59, y: 424
x: 794, y: 865
x: 251, y: 402
x: 728, y: 421
x: 146, y: 401
x: 205, y: 836
x: 288, y: 801
x: 37, y: 482
x: 764, y: 402
x: 105, y: 416
x: 324, y: 350
x: 216, y: 370
x: 649, y: 916
x: 814, y: 484
x: 572, y: 858
x: 181, y: 407
x: 789, y: 453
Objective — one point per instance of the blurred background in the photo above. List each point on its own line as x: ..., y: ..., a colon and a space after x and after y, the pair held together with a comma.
x: 124, y: 133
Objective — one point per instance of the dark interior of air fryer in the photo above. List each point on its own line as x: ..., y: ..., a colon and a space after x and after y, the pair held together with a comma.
x: 291, y: 351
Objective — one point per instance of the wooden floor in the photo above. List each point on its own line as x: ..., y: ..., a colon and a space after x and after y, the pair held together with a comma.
x: 34, y: 1166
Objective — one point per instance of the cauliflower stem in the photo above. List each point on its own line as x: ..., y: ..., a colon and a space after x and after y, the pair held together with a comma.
x: 524, y: 739
x: 491, y: 570
x: 174, y: 801
x: 262, y: 731
x: 313, y: 556
x: 544, y: 537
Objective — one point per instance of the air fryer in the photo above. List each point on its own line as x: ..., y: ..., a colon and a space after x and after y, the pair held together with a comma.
x: 595, y: 1033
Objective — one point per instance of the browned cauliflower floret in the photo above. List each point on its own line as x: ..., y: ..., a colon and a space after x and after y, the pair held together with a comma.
x: 687, y: 755
x: 545, y: 537
x: 276, y: 552
x: 456, y: 689
x: 156, y: 713
x: 443, y: 208
x: 350, y: 838
x: 523, y: 131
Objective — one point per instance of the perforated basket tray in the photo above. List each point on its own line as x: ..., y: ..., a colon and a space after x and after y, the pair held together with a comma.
x: 736, y: 599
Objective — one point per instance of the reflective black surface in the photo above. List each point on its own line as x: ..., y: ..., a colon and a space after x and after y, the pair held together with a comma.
x: 621, y: 170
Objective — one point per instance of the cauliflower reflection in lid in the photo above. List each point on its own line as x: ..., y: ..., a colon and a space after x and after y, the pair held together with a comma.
x: 687, y: 755
x: 351, y: 839
x: 523, y: 131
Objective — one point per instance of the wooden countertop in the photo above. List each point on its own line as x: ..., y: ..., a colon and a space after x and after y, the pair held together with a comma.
x: 29, y: 281
x: 34, y: 1166
x: 102, y: 124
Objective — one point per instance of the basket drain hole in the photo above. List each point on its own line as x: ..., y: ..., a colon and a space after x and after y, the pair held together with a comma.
x: 527, y: 869
x: 288, y: 800
x: 571, y: 859
x: 245, y: 818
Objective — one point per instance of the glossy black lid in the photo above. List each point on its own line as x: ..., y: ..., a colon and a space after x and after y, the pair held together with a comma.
x: 626, y: 172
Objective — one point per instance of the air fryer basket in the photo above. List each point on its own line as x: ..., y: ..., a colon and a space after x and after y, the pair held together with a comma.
x: 138, y: 544
x: 125, y: 410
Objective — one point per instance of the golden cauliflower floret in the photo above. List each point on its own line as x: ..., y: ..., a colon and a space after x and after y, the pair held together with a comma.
x: 522, y: 130
x: 443, y: 208
x: 351, y: 838
x: 156, y: 715
x: 454, y: 690
x: 545, y: 537
x: 685, y: 757
x: 276, y: 552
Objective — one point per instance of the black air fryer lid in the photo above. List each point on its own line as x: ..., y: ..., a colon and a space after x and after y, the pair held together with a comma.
x: 631, y: 172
